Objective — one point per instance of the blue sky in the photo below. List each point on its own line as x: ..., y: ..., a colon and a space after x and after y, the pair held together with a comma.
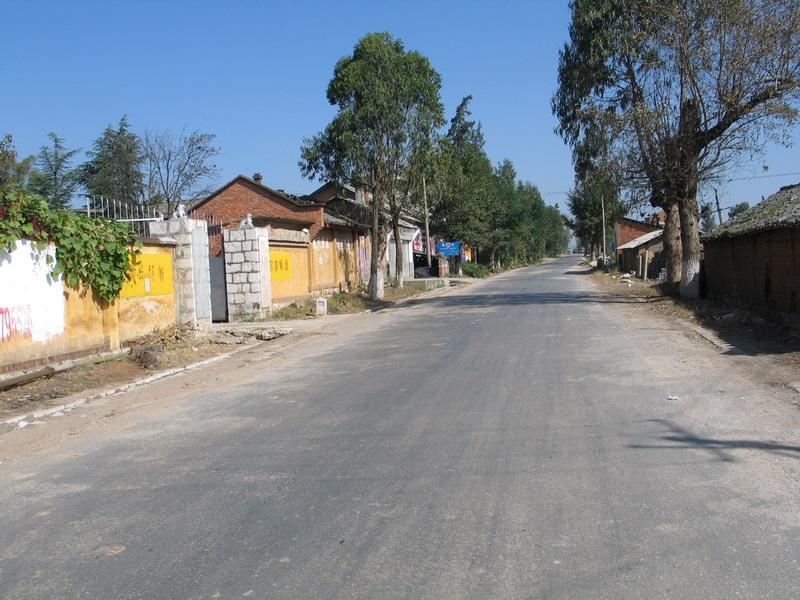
x: 255, y: 74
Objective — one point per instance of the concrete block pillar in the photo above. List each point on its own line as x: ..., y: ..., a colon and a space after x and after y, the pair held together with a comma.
x: 247, y: 273
x: 190, y: 264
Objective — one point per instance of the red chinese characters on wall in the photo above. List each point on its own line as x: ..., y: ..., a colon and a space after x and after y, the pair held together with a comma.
x: 15, y: 323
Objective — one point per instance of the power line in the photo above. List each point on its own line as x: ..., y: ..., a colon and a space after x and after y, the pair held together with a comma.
x: 764, y: 176
x: 726, y: 181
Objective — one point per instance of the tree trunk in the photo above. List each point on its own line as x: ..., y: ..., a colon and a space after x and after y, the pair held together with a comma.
x: 672, y: 247
x: 690, y: 247
x: 398, y: 251
x: 688, y: 161
x: 378, y: 252
x: 427, y: 226
x: 493, y: 258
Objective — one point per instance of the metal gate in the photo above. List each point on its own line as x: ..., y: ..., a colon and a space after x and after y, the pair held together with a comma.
x: 219, y: 291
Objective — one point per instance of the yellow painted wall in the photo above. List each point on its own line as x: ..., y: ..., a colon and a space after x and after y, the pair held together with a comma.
x: 147, y: 301
x: 93, y: 325
x: 323, y: 261
x: 288, y: 271
x: 347, y: 257
x: 332, y: 259
x: 151, y: 274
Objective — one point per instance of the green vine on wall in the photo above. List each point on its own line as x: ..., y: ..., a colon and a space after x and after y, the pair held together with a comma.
x: 94, y: 253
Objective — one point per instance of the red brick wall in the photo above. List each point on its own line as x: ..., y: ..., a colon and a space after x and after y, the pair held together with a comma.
x: 626, y: 230
x: 760, y: 270
x: 236, y: 201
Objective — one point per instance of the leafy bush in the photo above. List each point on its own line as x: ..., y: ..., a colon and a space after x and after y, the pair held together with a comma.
x: 95, y: 253
x: 474, y: 270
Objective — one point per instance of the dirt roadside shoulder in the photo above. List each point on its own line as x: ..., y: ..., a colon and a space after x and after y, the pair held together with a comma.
x: 767, y: 352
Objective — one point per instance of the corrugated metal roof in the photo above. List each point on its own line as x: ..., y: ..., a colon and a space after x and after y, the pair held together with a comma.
x: 780, y: 210
x: 647, y: 237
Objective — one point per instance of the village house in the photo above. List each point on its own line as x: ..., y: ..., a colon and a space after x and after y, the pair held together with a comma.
x: 317, y: 243
x: 627, y: 230
x: 639, y: 245
x: 643, y: 255
x: 754, y: 259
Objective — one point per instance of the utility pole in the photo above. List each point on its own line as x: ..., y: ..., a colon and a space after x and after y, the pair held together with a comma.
x: 427, y: 227
x: 603, y: 208
x: 719, y: 210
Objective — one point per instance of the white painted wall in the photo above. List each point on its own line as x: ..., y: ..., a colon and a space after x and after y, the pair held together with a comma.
x: 32, y: 301
x: 406, y: 237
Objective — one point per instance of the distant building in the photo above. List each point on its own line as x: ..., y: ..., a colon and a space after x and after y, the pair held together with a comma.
x: 627, y: 230
x: 754, y: 259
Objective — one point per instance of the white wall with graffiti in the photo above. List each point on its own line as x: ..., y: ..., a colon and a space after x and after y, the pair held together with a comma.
x: 32, y: 304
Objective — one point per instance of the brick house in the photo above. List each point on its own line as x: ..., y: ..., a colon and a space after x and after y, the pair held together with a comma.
x: 318, y: 242
x: 626, y: 230
x: 269, y: 207
x: 754, y: 259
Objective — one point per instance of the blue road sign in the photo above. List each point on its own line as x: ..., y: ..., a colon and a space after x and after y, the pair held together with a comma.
x: 448, y: 248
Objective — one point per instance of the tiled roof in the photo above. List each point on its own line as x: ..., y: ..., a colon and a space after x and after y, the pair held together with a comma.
x: 779, y: 211
x: 301, y: 201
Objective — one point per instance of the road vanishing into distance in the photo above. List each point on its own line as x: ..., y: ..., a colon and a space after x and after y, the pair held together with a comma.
x: 523, y: 437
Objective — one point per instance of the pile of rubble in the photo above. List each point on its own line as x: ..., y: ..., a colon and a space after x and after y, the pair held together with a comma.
x: 233, y: 336
x: 148, y: 350
x: 171, y: 334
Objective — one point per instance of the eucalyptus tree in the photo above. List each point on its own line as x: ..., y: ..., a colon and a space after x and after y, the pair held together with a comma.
x: 466, y: 181
x: 388, y: 102
x: 687, y: 87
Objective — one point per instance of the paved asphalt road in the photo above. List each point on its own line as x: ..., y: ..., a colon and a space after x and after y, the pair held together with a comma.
x: 510, y: 440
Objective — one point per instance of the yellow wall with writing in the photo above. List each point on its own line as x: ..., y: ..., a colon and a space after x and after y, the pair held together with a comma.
x: 151, y: 275
x: 280, y: 265
x: 92, y: 325
x: 289, y: 272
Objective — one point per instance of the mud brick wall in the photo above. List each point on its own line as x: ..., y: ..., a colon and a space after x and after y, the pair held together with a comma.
x: 761, y: 270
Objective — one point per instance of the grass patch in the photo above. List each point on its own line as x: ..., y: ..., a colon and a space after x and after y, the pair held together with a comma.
x: 347, y: 303
x: 295, y: 311
x: 344, y: 303
x: 471, y: 269
x: 410, y: 288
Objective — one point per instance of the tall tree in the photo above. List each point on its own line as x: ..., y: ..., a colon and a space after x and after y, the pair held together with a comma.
x: 179, y: 166
x: 467, y: 181
x: 499, y: 215
x: 556, y: 234
x: 687, y: 86
x: 54, y: 178
x: 595, y: 202
x: 592, y: 196
x: 13, y: 172
x: 115, y: 165
x: 385, y: 98
x: 708, y: 218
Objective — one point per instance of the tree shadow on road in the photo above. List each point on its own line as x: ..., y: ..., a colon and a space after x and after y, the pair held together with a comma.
x: 522, y: 299
x: 678, y: 438
x: 579, y: 271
